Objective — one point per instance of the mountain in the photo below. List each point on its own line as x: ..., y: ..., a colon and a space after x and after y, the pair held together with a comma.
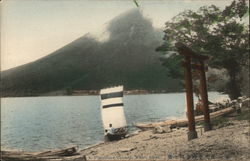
x: 127, y: 56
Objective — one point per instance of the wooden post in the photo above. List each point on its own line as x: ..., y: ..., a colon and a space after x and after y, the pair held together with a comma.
x: 203, y: 92
x: 204, y: 97
x: 188, y: 54
x: 192, y: 134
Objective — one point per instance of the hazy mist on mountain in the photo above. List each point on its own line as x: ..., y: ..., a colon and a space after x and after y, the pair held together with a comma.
x: 127, y: 56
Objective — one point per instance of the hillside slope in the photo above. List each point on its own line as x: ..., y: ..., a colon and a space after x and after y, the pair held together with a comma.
x: 127, y: 57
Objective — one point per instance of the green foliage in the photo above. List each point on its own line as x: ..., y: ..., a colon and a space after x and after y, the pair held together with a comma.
x: 172, y: 63
x: 220, y: 121
x: 69, y: 90
x: 218, y: 33
x: 244, y: 115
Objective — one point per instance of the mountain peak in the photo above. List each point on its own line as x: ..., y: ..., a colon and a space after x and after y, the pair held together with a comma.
x: 129, y: 24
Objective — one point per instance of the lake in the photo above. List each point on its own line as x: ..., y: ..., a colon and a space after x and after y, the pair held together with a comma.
x: 42, y: 123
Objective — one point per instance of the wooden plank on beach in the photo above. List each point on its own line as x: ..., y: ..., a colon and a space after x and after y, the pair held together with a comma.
x: 62, y: 154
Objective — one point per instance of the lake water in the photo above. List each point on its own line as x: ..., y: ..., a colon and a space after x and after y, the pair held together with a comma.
x: 42, y: 123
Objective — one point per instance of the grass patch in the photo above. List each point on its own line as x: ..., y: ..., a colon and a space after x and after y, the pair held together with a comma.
x: 244, y: 115
x: 219, y: 122
x: 226, y: 120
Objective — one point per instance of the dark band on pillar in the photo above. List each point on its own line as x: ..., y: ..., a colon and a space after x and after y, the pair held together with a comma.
x: 113, y: 105
x: 111, y: 95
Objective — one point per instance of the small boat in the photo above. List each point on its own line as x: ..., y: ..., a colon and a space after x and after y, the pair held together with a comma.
x: 112, y: 112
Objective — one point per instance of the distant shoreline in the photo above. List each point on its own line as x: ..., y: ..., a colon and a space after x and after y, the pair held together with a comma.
x: 84, y: 93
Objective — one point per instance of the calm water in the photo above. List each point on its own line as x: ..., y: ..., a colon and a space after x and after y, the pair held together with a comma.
x: 40, y: 123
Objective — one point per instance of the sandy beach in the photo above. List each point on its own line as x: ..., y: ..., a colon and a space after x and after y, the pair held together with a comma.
x: 228, y: 140
x: 226, y: 143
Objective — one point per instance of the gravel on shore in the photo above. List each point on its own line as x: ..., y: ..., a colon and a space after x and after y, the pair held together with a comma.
x: 230, y: 142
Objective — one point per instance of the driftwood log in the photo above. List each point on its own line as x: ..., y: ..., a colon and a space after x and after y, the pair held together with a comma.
x: 184, y: 122
x: 68, y: 154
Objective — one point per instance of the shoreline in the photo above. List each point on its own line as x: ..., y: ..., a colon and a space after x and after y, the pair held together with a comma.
x: 170, y: 146
x: 85, y: 93
x: 226, y: 141
x: 126, y: 93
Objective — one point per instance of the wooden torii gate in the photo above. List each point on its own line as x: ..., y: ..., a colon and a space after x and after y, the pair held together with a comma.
x: 188, y: 56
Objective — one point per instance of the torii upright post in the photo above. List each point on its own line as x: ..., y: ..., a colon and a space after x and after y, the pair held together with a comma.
x: 192, y: 134
x: 204, y: 97
x: 203, y: 92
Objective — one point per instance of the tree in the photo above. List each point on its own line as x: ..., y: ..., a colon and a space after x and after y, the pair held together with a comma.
x: 221, y: 34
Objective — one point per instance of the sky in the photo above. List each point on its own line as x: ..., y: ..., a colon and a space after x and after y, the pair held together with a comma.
x: 31, y: 29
